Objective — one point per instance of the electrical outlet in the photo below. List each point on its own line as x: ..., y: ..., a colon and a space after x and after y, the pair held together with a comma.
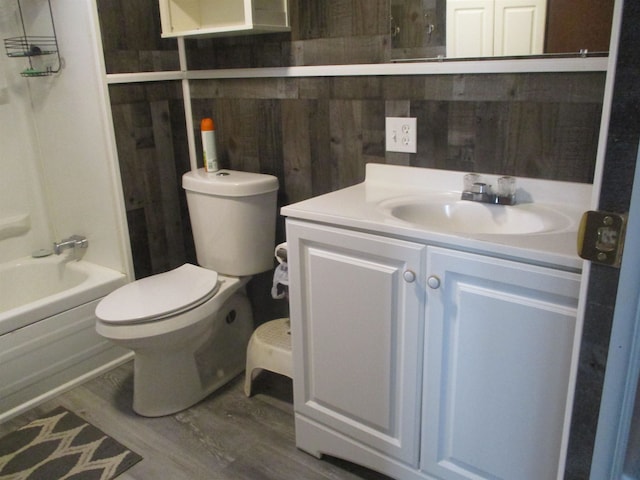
x: 400, y: 134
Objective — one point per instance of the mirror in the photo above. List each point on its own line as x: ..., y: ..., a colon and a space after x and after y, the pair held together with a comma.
x: 430, y: 29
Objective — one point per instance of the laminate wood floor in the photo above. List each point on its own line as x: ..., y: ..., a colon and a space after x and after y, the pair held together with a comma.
x: 226, y: 436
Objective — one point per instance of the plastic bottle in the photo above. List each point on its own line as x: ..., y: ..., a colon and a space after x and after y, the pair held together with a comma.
x: 208, y: 132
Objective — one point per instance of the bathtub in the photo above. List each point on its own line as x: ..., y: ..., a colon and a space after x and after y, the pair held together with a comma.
x: 48, y: 341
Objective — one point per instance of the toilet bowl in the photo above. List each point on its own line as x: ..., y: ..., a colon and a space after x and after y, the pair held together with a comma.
x: 189, y: 327
x: 186, y: 347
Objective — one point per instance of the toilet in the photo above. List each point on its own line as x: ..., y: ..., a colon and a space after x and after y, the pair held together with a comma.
x: 189, y: 327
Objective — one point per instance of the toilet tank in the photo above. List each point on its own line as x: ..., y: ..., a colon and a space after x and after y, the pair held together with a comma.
x: 233, y: 218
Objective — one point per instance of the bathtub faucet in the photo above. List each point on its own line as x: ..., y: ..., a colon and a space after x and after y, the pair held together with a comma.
x: 74, y: 241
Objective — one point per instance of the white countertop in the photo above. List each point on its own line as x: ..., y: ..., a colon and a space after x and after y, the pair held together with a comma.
x: 361, y: 207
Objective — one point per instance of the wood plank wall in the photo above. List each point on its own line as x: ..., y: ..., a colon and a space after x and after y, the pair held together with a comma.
x: 317, y: 134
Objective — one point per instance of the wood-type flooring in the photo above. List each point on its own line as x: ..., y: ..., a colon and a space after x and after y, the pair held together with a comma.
x: 227, y: 436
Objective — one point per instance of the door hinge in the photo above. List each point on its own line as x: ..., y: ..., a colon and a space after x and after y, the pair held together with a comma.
x: 601, y: 237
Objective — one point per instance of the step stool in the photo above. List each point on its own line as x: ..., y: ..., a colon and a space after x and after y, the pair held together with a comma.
x: 269, y: 349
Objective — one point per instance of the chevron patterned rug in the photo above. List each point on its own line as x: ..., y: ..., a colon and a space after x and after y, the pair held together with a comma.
x: 60, y: 446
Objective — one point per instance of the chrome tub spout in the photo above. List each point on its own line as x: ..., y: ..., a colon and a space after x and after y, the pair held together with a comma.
x: 74, y: 241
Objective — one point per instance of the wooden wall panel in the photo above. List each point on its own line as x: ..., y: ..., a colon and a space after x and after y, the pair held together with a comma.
x: 311, y: 19
x: 528, y: 139
x: 131, y: 37
x: 370, y: 17
x: 347, y: 165
x: 123, y: 125
x: 578, y: 127
x: 432, y: 139
x: 154, y: 219
x: 317, y: 134
x: 412, y: 22
x: 137, y: 225
x: 322, y: 180
x: 296, y: 150
x: 151, y: 166
x: 168, y: 181
x: 340, y: 51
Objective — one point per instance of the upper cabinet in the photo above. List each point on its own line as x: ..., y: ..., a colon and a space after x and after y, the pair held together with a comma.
x: 480, y: 28
x: 188, y: 18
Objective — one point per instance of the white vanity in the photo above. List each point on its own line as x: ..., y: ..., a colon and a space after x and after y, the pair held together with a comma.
x: 434, y: 337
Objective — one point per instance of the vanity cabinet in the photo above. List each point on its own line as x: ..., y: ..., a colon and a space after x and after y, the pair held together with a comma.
x: 425, y: 362
x: 209, y: 18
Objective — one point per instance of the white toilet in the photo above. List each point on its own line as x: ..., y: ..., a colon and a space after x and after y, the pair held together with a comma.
x: 189, y: 327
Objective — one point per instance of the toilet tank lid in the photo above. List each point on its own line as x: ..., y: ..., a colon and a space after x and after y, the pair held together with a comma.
x: 229, y: 183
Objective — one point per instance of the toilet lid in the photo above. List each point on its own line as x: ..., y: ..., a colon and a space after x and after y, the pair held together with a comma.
x: 159, y: 296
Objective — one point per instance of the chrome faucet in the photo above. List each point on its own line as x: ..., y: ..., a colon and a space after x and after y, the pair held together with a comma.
x: 74, y: 241
x: 477, y: 191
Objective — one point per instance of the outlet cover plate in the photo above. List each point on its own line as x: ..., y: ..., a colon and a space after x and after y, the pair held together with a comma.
x: 400, y: 134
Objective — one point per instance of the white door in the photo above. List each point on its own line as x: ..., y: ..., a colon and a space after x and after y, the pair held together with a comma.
x: 469, y: 28
x: 519, y: 27
x: 617, y: 448
x: 499, y: 342
x: 357, y: 305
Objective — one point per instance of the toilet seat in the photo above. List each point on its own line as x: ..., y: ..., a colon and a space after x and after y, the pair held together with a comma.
x: 159, y: 296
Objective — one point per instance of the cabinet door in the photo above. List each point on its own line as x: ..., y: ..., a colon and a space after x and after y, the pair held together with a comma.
x: 357, y: 304
x: 499, y: 342
x: 469, y: 28
x: 519, y: 27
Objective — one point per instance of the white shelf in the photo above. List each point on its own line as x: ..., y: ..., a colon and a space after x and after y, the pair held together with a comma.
x: 211, y: 18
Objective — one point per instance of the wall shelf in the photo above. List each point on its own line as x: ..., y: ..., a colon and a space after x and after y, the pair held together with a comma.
x: 216, y: 18
x: 32, y: 46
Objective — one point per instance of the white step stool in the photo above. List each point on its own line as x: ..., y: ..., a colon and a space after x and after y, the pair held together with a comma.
x: 269, y: 349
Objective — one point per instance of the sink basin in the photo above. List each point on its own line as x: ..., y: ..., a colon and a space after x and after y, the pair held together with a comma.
x: 447, y: 213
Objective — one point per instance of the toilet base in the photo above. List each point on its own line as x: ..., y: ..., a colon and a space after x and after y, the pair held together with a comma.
x: 173, y: 378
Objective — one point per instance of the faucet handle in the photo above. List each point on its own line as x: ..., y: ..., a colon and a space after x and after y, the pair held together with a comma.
x: 507, y: 190
x: 480, y: 187
x: 506, y: 186
x: 470, y: 179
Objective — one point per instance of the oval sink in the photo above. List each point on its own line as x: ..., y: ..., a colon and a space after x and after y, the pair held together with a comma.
x: 446, y: 213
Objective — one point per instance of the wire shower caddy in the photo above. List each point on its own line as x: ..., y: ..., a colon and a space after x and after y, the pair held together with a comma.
x: 31, y: 46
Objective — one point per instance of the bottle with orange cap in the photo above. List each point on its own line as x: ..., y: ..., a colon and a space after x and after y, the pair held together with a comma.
x: 208, y: 132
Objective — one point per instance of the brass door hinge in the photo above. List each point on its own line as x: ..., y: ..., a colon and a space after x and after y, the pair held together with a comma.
x: 601, y: 237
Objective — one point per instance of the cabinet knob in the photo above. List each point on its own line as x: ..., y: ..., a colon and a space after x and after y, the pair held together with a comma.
x: 433, y: 281
x: 409, y: 276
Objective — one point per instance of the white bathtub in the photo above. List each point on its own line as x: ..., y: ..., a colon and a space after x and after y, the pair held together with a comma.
x: 32, y: 289
x: 48, y: 341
